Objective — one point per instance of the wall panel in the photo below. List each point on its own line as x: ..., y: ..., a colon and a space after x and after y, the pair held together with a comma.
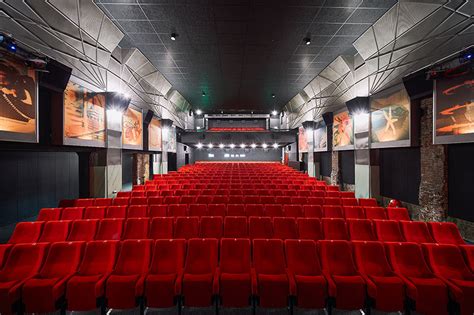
x: 460, y: 181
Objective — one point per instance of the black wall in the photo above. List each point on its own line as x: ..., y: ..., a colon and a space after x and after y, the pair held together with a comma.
x: 181, y: 155
x: 347, y: 167
x: 325, y: 163
x: 460, y: 181
x: 400, y: 173
x: 127, y: 170
x: 30, y: 181
x: 292, y: 154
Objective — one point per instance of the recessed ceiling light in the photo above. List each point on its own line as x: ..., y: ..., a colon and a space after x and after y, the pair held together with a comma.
x: 273, y: 95
x: 203, y: 93
x: 174, y: 36
x: 307, y: 40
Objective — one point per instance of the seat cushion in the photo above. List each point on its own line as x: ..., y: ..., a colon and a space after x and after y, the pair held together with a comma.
x: 311, y: 291
x: 197, y: 290
x: 82, y: 294
x: 9, y: 293
x: 273, y: 290
x: 160, y: 290
x: 235, y: 289
x: 350, y: 292
x: 120, y: 291
x: 389, y: 293
x: 430, y: 295
x: 466, y: 300
x: 40, y: 295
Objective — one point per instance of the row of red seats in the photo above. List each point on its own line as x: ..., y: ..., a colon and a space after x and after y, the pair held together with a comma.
x: 237, y: 192
x: 260, y: 210
x: 232, y: 187
x: 350, y: 276
x: 239, y: 227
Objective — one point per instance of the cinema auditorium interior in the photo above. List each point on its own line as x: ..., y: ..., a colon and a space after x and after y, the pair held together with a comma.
x: 228, y: 157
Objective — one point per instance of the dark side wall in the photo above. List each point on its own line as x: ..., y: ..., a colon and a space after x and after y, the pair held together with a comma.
x: 460, y: 181
x: 181, y: 155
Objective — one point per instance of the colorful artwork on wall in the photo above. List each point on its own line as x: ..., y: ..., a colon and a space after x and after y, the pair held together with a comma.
x: 154, y: 135
x: 343, y: 131
x: 302, y: 144
x: 321, y: 139
x: 132, y: 129
x: 18, y: 101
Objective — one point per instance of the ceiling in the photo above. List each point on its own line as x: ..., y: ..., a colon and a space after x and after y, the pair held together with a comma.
x: 240, y: 52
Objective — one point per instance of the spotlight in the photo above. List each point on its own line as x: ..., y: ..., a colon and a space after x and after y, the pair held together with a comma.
x: 232, y: 145
x: 210, y: 145
x: 273, y: 95
x: 198, y: 112
x: 242, y: 145
x: 12, y: 47
x: 274, y: 113
x: 173, y: 36
x: 221, y: 146
x: 264, y: 145
x: 307, y: 40
x: 198, y: 127
x: 1, y: 38
x: 203, y: 93
x: 275, y: 145
x: 253, y: 145
x: 199, y: 145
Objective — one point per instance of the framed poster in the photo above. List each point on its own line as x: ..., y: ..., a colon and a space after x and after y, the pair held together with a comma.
x: 302, y: 143
x: 321, y: 139
x: 390, y: 118
x: 453, y: 113
x: 343, y: 131
x: 172, y: 139
x: 18, y: 102
x: 84, y: 116
x: 132, y: 129
x: 154, y: 135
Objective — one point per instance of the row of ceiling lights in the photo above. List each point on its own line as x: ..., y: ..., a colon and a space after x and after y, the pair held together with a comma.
x: 232, y: 146
x: 199, y: 112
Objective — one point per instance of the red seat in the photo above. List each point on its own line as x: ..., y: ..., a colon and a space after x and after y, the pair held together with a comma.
x: 384, y: 287
x: 368, y: 202
x: 283, y: 200
x: 161, y: 228
x: 311, y: 286
x: 235, y: 273
x: 353, y: 212
x: 273, y: 283
x: 49, y: 214
x: 72, y: 213
x: 429, y: 293
x: 315, y: 201
x: 416, y: 232
x: 138, y: 201
x: 260, y: 227
x: 4, y: 252
x: 309, y: 228
x: 347, y: 194
x: 333, y: 194
x: 236, y: 210
x: 178, y: 210
x: 121, y: 201
x: 284, y: 228
x: 235, y: 227
x: 26, y: 232
x: 222, y: 199
x: 109, y: 229
x: 313, y: 211
x: 197, y: 210
x: 375, y: 213
x: 168, y: 200
x: 116, y: 212
x: 252, y: 199
x: 332, y: 201
x: 41, y: 293
x: 135, y: 228
x: 163, y: 282
x: 137, y: 211
x: 186, y: 227
x: 293, y: 211
x: 468, y: 251
x: 126, y: 283
x: 187, y: 200
x: 334, y: 229
x: 94, y: 212
x: 333, y: 211
x: 400, y: 214
x: 155, y: 201
x: 211, y: 227
x: 346, y: 285
x: 447, y: 262
x: 349, y: 202
x: 87, y: 286
x: 275, y: 210
x: 445, y: 233
x: 388, y: 231
x: 215, y: 209
x: 267, y: 199
x: 54, y: 231
x: 298, y: 200
x: 82, y: 230
x: 200, y: 280
x: 204, y: 199
x: 23, y: 262
x: 136, y: 194
x: 87, y: 202
x: 158, y: 211
x: 360, y: 230
x: 63, y: 203
x: 254, y: 210
x: 124, y: 194
x: 103, y: 202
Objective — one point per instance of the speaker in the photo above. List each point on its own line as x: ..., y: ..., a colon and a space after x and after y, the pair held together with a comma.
x: 358, y: 105
x: 328, y: 118
x: 417, y: 86
x: 56, y: 76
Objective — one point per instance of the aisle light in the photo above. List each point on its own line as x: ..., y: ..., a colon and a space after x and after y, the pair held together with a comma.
x: 264, y: 145
x: 199, y: 145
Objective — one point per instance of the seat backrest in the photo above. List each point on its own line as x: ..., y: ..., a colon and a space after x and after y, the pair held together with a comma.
x: 235, y: 227
x: 445, y: 233
x: 313, y: 211
x: 63, y: 259
x: 26, y: 232
x: 217, y: 209
x: 138, y: 201
x: 96, y: 212
x: 168, y: 256
x: 211, y: 227
x: 72, y: 213
x: 202, y: 256
x: 268, y: 256
x: 407, y: 259
x: 178, y: 210
x: 135, y: 228
x: 82, y: 230
x: 295, y: 250
x: 161, y: 228
x: 109, y: 229
x: 336, y: 258
x: 223, y: 199
x: 468, y: 252
x: 236, y: 210
x: 235, y: 255
x: 23, y: 261
x: 187, y: 199
x: 85, y: 202
x: 349, y: 202
x: 49, y: 214
x: 134, y: 257
x: 116, y: 212
x: 137, y: 211
x: 157, y: 211
x: 254, y: 210
x: 400, y: 214
x: 293, y: 211
x: 99, y: 258
x: 120, y: 201
x: 388, y: 231
x: 333, y: 211
x: 368, y: 202
x: 360, y: 230
x: 285, y: 228
x: 197, y: 210
x: 103, y: 202
x: 315, y: 200
x: 186, y: 227
x: 309, y: 228
x: 55, y: 231
x: 416, y: 231
x: 334, y: 229
x: 371, y: 259
x: 156, y: 201
x: 332, y: 201
x: 353, y: 212
x: 447, y: 261
x: 260, y: 227
x: 375, y: 213
x: 273, y: 210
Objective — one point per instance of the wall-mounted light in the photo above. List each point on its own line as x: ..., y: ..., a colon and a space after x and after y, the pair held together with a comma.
x: 307, y: 40
x: 210, y: 145
x: 264, y: 145
x: 203, y: 93
x: 274, y: 112
x: 198, y: 112
x: 253, y: 145
x: 221, y: 146
x: 174, y: 36
x: 232, y: 145
x: 199, y: 145
x: 114, y: 115
x: 275, y: 145
x: 242, y: 145
x: 273, y: 95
